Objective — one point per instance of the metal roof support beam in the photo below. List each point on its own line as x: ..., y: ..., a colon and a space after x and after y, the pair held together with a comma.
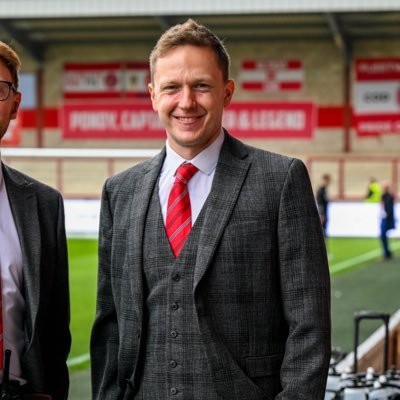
x: 33, y: 49
x: 337, y: 33
x: 346, y: 48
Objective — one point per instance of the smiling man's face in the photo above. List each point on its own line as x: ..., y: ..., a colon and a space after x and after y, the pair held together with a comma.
x: 189, y: 94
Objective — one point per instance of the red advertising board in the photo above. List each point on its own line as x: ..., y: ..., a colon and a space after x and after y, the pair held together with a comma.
x: 271, y: 75
x: 110, y: 121
x: 378, y: 69
x: 106, y: 80
x: 376, y: 96
x: 271, y: 120
x: 138, y: 120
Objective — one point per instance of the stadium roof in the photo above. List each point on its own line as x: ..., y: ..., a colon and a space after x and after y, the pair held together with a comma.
x: 38, y: 24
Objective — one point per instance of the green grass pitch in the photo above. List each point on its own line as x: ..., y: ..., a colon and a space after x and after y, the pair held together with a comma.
x: 83, y: 283
x: 365, y: 283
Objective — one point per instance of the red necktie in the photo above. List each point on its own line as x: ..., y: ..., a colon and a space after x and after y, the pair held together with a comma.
x: 179, y: 214
x: 1, y: 329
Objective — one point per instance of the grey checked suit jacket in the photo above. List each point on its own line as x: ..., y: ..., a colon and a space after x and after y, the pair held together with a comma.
x: 39, y: 218
x: 261, y: 285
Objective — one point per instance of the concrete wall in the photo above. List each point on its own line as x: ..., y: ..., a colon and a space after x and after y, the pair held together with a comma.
x: 323, y: 84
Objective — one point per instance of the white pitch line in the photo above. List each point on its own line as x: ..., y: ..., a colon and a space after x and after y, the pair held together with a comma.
x: 73, y: 362
x: 333, y: 269
x: 344, y: 265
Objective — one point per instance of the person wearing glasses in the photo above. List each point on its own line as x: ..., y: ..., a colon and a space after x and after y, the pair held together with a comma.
x: 34, y: 314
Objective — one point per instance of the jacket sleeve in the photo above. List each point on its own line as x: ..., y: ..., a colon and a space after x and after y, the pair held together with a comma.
x: 305, y: 289
x: 104, y: 344
x: 60, y: 315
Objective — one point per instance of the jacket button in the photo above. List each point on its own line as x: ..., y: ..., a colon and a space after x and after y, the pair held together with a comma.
x: 174, y: 334
x: 174, y: 391
x: 176, y: 276
x: 173, y: 363
x: 174, y: 306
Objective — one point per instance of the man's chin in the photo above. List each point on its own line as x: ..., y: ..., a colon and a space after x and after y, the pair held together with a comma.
x: 186, y: 139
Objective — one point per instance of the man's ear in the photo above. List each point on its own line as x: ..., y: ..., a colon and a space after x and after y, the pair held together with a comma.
x: 229, y: 90
x: 152, y: 96
x: 15, y: 105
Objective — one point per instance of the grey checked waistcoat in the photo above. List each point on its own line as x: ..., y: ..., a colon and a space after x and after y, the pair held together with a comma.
x: 175, y: 364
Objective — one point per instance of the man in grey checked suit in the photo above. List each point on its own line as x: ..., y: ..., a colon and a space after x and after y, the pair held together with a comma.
x: 34, y: 267
x: 243, y: 311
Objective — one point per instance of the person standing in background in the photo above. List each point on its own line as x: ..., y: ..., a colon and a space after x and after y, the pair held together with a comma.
x: 374, y: 193
x: 34, y: 269
x: 213, y: 279
x: 322, y: 200
x: 387, y: 218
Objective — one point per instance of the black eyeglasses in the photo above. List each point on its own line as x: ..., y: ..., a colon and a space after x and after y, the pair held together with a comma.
x: 5, y: 88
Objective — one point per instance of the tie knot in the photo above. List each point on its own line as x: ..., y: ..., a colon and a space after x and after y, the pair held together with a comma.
x: 185, y: 172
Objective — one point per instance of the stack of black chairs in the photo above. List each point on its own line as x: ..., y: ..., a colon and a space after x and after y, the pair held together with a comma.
x: 354, y: 385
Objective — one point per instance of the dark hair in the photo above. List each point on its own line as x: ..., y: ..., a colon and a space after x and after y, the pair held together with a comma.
x: 191, y: 33
x: 11, y: 60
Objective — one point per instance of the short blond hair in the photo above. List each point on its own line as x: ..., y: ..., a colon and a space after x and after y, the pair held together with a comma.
x: 194, y: 34
x: 11, y: 60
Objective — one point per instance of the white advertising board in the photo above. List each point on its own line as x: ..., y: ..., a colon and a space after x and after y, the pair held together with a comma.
x: 345, y: 219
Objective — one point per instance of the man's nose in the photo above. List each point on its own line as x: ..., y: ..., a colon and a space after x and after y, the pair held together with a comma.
x: 187, y: 99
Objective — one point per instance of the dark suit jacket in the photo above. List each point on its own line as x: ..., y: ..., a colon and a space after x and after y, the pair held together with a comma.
x: 39, y: 218
x: 388, y: 208
x: 261, y: 285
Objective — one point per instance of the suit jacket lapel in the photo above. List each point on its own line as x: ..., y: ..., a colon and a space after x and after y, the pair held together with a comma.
x: 140, y: 202
x: 23, y: 203
x: 229, y: 177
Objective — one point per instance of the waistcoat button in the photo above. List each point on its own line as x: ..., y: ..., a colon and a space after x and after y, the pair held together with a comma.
x: 173, y: 363
x: 176, y: 276
x: 174, y: 391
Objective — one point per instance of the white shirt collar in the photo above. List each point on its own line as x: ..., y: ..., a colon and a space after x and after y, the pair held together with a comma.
x: 206, y: 161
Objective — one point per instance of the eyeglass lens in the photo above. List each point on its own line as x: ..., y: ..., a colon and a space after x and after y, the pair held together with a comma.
x: 4, y: 90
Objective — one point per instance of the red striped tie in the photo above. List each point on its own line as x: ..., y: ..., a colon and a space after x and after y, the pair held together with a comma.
x: 179, y: 213
x: 1, y: 330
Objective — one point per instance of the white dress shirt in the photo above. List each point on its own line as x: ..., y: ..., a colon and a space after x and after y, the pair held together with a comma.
x: 199, y: 185
x: 12, y: 283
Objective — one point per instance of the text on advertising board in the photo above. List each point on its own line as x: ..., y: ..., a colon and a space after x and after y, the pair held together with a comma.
x: 138, y: 120
x: 376, y: 96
